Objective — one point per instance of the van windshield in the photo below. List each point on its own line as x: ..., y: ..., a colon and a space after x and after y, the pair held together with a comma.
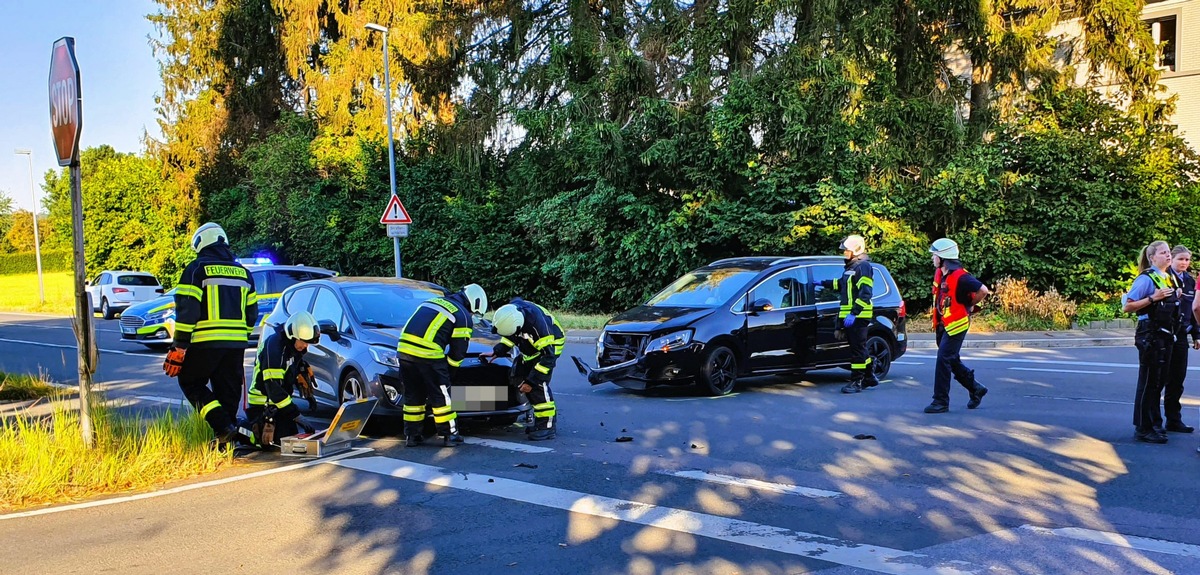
x: 703, y: 288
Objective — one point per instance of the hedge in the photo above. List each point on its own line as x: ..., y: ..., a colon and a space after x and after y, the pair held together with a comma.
x: 26, y: 263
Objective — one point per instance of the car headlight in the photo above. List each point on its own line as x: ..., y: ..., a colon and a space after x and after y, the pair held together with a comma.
x: 670, y: 341
x: 600, y: 345
x: 385, y: 356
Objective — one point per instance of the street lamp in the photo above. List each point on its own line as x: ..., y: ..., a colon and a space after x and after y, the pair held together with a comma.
x: 37, y: 244
x: 387, y: 79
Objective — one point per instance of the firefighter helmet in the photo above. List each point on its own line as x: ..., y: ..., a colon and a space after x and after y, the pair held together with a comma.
x: 207, y: 235
x: 855, y: 243
x: 302, y: 326
x: 508, y: 320
x: 945, y: 248
x: 476, y: 298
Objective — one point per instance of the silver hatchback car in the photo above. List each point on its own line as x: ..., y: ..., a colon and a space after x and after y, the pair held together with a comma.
x: 363, y: 317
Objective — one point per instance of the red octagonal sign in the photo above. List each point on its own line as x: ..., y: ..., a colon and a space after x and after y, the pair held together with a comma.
x: 66, y: 108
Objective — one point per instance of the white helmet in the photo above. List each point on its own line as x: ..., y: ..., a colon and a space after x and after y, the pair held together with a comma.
x: 302, y: 326
x: 476, y: 298
x: 945, y: 248
x: 855, y: 243
x: 508, y: 320
x: 207, y: 235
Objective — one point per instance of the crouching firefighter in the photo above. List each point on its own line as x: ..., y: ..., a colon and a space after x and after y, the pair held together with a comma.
x: 432, y: 346
x: 279, y: 370
x: 855, y: 290
x: 539, y: 339
x: 215, y: 309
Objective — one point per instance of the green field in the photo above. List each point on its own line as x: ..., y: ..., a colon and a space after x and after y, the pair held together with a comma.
x: 19, y: 292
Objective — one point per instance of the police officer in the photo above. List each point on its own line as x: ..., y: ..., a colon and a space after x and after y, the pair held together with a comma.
x: 278, y: 370
x: 530, y: 329
x: 1181, y: 259
x: 432, y: 345
x: 1155, y: 297
x: 955, y: 294
x: 855, y: 289
x: 215, y: 309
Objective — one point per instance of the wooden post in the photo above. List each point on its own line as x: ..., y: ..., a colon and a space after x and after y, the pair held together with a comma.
x: 84, y: 335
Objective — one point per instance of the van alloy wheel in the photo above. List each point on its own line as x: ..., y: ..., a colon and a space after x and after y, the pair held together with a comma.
x: 719, y: 372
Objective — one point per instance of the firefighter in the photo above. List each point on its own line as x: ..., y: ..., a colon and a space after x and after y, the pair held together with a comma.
x: 539, y: 339
x: 855, y: 289
x: 433, y: 345
x: 215, y: 309
x: 1155, y: 298
x: 955, y: 295
x: 279, y: 369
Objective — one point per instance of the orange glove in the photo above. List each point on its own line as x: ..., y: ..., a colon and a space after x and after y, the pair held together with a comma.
x: 174, y: 362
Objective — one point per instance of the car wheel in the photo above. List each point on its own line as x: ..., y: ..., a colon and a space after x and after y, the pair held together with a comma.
x: 105, y: 311
x: 719, y: 372
x: 353, y: 388
x: 880, y: 353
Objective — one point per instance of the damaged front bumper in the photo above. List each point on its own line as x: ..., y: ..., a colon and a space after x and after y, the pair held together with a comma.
x: 657, y: 369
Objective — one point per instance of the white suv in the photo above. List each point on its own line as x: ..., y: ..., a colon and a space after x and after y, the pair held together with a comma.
x: 113, y: 291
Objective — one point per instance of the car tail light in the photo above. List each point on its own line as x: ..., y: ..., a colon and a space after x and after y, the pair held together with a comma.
x: 120, y: 290
x: 903, y: 309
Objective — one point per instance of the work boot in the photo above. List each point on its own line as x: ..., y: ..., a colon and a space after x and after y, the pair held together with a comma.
x: 452, y: 440
x: 1150, y: 436
x: 977, y: 396
x: 413, y: 440
x: 542, y: 435
x: 869, y: 383
x: 936, y: 407
x: 1179, y: 427
x: 853, y: 387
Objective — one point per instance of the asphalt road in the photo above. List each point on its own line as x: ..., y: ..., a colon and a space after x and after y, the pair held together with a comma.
x: 1044, y: 478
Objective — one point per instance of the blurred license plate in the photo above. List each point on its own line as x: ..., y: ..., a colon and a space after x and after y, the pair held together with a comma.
x: 128, y: 330
x: 479, y: 397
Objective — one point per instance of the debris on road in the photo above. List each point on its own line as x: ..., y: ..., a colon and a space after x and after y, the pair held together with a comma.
x: 864, y: 436
x: 624, y: 438
x: 526, y: 465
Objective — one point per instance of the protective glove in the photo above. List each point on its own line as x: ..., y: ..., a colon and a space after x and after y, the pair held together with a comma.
x: 849, y: 321
x: 174, y: 362
x: 304, y: 380
x: 304, y: 424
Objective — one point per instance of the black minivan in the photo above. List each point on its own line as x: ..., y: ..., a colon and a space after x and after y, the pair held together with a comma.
x: 739, y: 317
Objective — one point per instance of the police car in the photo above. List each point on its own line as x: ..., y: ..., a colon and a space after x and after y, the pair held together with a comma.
x: 152, y: 323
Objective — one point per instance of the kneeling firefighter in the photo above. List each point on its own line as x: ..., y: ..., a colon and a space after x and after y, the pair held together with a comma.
x: 539, y: 339
x: 280, y: 369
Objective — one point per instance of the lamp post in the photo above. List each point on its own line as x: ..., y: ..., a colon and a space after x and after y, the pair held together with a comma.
x: 387, y: 79
x: 37, y: 243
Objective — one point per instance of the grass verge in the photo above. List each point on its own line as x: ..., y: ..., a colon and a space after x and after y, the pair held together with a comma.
x: 581, y: 320
x: 19, y: 292
x: 24, y: 387
x: 43, y: 459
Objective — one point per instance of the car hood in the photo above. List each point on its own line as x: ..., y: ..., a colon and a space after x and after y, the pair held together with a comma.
x: 144, y: 308
x: 390, y: 336
x: 646, y: 319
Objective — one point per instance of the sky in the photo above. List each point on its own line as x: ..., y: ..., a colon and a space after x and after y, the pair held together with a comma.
x: 118, y: 79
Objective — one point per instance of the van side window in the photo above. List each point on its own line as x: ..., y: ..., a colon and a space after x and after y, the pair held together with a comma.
x: 825, y: 272
x: 785, y: 289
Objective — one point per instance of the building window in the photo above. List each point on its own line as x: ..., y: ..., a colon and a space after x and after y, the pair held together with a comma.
x: 1165, y: 31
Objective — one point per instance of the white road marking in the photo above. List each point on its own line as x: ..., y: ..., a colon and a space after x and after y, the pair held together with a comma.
x: 1120, y: 540
x: 509, y: 445
x: 71, y: 347
x: 1072, y: 371
x: 908, y: 362
x: 38, y: 326
x: 784, y: 488
x: 778, y: 539
x: 171, y: 401
x: 1046, y: 361
x: 190, y: 487
x: 1083, y: 399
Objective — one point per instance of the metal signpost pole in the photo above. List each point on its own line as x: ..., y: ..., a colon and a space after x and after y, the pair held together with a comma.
x: 37, y: 242
x: 387, y: 79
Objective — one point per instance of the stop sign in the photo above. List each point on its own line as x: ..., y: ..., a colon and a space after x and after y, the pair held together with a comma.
x: 66, y: 109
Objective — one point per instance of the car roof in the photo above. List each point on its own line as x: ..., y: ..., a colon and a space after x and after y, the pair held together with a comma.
x: 273, y: 267
x: 127, y: 272
x: 759, y: 263
x: 355, y: 281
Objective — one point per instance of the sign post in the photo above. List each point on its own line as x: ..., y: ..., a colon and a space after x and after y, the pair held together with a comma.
x: 397, y: 220
x: 66, y: 122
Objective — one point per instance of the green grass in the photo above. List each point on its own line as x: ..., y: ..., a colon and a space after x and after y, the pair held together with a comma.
x: 24, y: 387
x: 43, y: 459
x: 19, y: 292
x: 581, y: 321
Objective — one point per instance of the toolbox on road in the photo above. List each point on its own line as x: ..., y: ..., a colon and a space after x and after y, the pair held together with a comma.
x: 346, y: 426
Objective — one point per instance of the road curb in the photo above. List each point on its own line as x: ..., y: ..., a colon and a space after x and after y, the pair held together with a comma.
x: 1049, y: 342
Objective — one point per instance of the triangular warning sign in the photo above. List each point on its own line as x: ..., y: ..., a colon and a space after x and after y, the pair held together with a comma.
x: 395, y: 213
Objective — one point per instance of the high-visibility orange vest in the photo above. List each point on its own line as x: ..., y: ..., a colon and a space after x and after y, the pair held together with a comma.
x: 953, y: 315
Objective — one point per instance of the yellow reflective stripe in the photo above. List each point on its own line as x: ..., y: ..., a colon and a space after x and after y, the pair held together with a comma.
x: 541, y: 368
x: 209, y: 407
x: 836, y: 283
x: 273, y: 373
x: 442, y: 410
x: 434, y: 326
x: 461, y: 332
x: 530, y: 357
x: 206, y: 323
x: 189, y: 291
x: 249, y: 297
x: 256, y: 399
x: 864, y: 304
x: 415, y: 416
x: 866, y: 281
x: 184, y: 327
x: 453, y: 363
x: 420, y: 352
x: 214, y: 301
x: 286, y: 402
x: 543, y: 342
x: 218, y: 335
x: 544, y: 409
x: 508, y: 342
x: 444, y: 414
x: 959, y: 326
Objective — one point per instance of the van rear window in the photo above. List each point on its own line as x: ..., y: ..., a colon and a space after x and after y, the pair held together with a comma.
x: 137, y: 281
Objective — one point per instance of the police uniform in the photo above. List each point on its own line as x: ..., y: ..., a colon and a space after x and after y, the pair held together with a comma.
x: 433, y: 343
x: 1158, y: 324
x: 539, y: 341
x: 1173, y: 390
x: 215, y: 309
